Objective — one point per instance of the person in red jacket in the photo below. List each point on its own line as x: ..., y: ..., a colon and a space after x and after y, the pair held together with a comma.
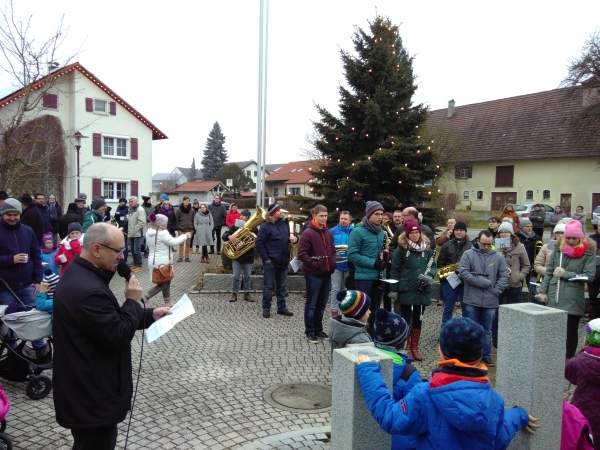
x: 232, y: 215
x: 317, y: 253
x: 69, y: 247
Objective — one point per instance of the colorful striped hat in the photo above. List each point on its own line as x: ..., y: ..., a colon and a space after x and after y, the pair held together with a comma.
x: 371, y: 207
x: 353, y: 303
x: 592, y: 332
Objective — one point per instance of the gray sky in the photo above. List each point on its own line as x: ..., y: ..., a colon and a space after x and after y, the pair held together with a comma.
x: 185, y: 65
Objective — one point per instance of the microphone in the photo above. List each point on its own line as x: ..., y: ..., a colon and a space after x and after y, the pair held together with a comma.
x: 124, y: 270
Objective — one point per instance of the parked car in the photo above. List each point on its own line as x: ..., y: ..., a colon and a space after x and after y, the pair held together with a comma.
x: 524, y: 209
x: 595, y: 217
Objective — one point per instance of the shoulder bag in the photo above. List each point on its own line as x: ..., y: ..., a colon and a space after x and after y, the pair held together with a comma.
x: 164, y: 272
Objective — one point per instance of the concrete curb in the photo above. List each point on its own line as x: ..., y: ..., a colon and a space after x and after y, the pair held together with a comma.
x: 289, y: 435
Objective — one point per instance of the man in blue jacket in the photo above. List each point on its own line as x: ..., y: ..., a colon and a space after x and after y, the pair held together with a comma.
x: 273, y: 243
x: 20, y: 256
x: 341, y: 235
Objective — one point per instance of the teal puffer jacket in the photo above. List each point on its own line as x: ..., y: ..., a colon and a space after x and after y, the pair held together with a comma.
x: 364, y: 247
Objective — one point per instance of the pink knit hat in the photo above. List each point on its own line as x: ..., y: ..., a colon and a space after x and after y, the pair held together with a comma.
x: 159, y: 219
x: 573, y: 229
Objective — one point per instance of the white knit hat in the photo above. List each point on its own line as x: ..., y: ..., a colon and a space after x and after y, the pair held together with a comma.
x: 506, y: 225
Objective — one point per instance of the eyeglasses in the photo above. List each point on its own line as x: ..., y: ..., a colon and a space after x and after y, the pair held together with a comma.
x: 113, y: 249
x: 481, y: 244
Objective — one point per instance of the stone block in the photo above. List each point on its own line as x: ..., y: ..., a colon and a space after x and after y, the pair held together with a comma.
x: 530, y: 368
x: 352, y: 425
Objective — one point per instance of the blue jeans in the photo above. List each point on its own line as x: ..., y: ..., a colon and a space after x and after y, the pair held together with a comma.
x: 237, y: 270
x: 27, y: 296
x: 450, y: 296
x: 338, y: 280
x: 125, y: 249
x: 274, y: 275
x: 532, y: 288
x: 374, y: 290
x: 508, y: 297
x: 317, y: 294
x: 136, y: 250
x: 484, y: 317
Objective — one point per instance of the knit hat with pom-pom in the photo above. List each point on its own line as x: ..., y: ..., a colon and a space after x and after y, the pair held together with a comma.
x: 506, y: 225
x: 52, y: 279
x: 592, y: 332
x: 390, y: 331
x: 353, y: 304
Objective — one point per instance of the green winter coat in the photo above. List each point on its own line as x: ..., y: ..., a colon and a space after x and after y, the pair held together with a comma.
x: 570, y: 295
x: 91, y: 217
x: 407, y: 265
x: 364, y: 248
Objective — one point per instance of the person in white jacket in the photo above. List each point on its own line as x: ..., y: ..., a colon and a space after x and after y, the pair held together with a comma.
x: 159, y: 242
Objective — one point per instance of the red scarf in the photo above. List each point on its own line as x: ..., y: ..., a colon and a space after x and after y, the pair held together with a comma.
x: 575, y: 252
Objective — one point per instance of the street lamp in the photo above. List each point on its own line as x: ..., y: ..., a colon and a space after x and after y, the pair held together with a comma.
x: 78, y: 137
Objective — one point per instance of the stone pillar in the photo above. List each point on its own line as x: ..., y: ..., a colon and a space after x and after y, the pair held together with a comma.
x: 352, y: 425
x: 531, y: 366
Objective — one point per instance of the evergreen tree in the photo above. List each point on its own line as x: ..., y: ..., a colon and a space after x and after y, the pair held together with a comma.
x: 215, y: 155
x: 241, y: 181
x: 373, y: 150
x: 193, y: 171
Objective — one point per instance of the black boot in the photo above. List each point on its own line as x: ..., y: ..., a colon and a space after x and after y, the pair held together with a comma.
x: 212, y: 250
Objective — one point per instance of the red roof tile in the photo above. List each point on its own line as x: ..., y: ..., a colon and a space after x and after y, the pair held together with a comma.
x: 195, y: 186
x: 293, y: 173
x: 524, y: 127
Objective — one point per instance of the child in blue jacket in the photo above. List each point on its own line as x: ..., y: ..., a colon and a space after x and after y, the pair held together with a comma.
x: 389, y: 336
x: 44, y: 300
x: 457, y: 408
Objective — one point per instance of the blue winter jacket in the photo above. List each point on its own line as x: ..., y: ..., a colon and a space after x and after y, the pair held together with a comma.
x: 460, y: 415
x: 401, y: 388
x: 16, y: 239
x: 364, y: 248
x: 273, y: 242
x: 341, y: 237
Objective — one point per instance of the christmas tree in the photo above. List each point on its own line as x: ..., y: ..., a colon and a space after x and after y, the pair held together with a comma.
x: 215, y: 155
x: 373, y: 150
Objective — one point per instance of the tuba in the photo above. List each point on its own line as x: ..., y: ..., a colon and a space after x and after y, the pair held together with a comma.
x: 244, y: 237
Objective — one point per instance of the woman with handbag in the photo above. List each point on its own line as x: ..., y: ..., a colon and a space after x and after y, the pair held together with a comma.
x: 160, y: 260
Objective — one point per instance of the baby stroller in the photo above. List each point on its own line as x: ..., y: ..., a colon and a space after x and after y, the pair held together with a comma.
x: 19, y: 361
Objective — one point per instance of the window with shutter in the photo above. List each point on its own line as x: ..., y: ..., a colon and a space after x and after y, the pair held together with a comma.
x: 50, y: 101
x: 97, y: 145
x: 96, y: 187
x: 113, y: 108
x: 89, y: 105
x: 134, y: 148
x: 134, y: 188
x: 504, y: 176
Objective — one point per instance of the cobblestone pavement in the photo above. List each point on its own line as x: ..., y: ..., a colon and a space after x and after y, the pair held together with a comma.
x: 201, y: 385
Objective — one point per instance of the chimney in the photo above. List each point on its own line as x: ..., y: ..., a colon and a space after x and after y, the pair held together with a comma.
x: 450, y: 108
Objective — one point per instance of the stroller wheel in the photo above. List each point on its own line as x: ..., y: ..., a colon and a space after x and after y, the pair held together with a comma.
x: 5, y: 442
x: 38, y: 387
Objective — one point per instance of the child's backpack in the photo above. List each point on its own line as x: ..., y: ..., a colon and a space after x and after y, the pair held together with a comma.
x: 576, y: 432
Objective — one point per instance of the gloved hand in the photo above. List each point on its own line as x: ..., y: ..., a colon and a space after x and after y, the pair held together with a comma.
x: 393, y: 296
x: 558, y: 272
x: 379, y: 264
x: 542, y: 298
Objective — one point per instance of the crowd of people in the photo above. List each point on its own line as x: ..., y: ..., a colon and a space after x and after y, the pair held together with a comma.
x: 376, y: 274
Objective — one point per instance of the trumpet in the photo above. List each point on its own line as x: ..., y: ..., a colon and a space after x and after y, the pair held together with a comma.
x: 244, y: 237
x: 445, y: 272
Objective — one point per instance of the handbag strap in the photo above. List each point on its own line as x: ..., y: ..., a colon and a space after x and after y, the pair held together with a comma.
x: 155, y: 243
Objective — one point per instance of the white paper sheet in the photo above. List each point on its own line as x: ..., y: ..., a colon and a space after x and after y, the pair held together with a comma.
x: 182, y: 309
x: 582, y: 278
x: 388, y: 280
x: 295, y: 263
x: 454, y: 280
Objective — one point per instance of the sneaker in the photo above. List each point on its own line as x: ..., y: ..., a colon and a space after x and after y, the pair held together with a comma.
x: 440, y: 303
x: 312, y: 339
x: 488, y: 362
x: 179, y: 259
x: 187, y: 260
x: 321, y: 335
x: 266, y: 314
x: 136, y: 269
x: 285, y: 312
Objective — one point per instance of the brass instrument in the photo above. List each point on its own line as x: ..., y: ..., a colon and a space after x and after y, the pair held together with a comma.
x: 388, y: 235
x: 444, y: 272
x: 244, y: 237
x: 292, y: 222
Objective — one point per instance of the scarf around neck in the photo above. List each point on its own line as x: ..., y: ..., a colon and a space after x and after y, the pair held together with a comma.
x: 375, y: 229
x: 185, y: 209
x: 417, y: 247
x: 575, y: 252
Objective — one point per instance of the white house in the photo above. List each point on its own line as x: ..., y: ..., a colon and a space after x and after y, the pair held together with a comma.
x: 116, y: 158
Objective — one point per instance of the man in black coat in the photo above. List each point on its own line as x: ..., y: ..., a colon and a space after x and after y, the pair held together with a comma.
x: 40, y: 202
x: 72, y: 215
x: 410, y: 213
x: 92, y: 341
x: 32, y: 217
x: 219, y: 215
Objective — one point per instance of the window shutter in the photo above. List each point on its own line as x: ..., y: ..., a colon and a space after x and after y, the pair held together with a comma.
x: 134, y: 188
x: 134, y: 148
x: 89, y: 105
x: 97, y: 144
x: 96, y: 187
x: 113, y: 108
x: 50, y: 101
